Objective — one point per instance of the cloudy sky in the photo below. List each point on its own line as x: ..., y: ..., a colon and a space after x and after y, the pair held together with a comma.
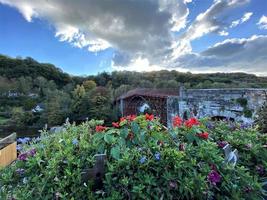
x: 91, y: 36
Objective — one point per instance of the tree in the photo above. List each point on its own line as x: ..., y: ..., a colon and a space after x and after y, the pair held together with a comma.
x: 89, y: 85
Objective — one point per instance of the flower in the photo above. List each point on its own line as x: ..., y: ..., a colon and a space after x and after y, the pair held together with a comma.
x: 248, y: 146
x: 23, y: 140
x: 177, y: 121
x: 173, y: 184
x: 131, y: 117
x: 191, y: 122
x: 20, y: 171
x: 115, y: 124
x: 100, y: 128
x: 23, y: 156
x: 143, y: 160
x: 149, y: 117
x: 214, y: 177
x: 75, y: 142
x: 181, y: 147
x: 32, y: 152
x: 122, y: 119
x: 204, y: 135
x: 248, y: 189
x: 160, y: 143
x: 210, y: 125
x: 222, y: 144
x: 157, y: 156
x: 130, y: 136
x: 19, y: 147
x: 260, y: 169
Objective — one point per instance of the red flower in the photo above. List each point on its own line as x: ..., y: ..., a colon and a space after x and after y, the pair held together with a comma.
x: 149, y: 117
x: 191, y: 122
x: 131, y: 136
x: 122, y: 119
x: 204, y: 135
x: 115, y: 124
x: 177, y: 121
x: 131, y: 117
x: 100, y: 128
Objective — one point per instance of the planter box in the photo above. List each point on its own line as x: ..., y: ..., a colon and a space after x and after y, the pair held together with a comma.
x: 8, y: 150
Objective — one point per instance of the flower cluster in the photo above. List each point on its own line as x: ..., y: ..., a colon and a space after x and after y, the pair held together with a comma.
x: 177, y: 121
x: 100, y: 128
x: 23, y: 140
x: 214, y: 177
x: 115, y: 124
x: 24, y: 156
x: 149, y: 117
x: 191, y: 122
x: 204, y: 135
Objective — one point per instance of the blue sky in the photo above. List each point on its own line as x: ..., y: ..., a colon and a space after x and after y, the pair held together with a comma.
x: 87, y: 37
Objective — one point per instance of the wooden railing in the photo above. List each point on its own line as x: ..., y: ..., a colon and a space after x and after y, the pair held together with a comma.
x: 8, y: 150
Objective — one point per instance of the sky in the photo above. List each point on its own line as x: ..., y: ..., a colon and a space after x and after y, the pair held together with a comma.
x: 85, y: 37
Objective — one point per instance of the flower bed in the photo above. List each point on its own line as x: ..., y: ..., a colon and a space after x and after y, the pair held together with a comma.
x: 144, y: 161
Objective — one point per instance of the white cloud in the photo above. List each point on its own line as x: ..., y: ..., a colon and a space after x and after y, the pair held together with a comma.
x: 236, y: 54
x: 243, y: 19
x: 151, y: 35
x: 262, y: 22
x: 136, y: 28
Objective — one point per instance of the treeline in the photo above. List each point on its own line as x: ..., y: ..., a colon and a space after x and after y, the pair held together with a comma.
x: 26, y: 83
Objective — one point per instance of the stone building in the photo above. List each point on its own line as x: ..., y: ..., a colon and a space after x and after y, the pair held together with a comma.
x: 235, y: 104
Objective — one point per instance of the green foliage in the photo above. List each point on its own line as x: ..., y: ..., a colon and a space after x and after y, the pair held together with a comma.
x: 89, y: 85
x: 242, y: 102
x: 261, y: 119
x: 144, y: 161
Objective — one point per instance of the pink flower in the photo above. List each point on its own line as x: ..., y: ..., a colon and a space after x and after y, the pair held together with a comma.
x: 115, y: 124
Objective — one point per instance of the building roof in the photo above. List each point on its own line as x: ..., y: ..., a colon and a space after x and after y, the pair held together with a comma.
x: 149, y: 92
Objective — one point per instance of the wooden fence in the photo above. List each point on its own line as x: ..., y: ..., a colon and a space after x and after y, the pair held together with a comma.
x: 8, y: 150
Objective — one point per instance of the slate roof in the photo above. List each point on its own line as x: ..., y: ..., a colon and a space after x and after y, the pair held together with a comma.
x: 149, y: 92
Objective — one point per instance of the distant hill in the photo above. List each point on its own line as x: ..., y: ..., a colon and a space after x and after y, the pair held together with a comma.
x: 13, y: 68
x: 28, y: 67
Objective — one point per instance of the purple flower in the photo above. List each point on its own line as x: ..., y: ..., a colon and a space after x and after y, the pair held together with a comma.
x: 23, y: 140
x: 75, y: 142
x: 32, y: 152
x: 248, y: 146
x: 173, y: 184
x: 214, y: 177
x: 143, y: 160
x: 210, y: 125
x: 222, y: 144
x: 20, y: 171
x: 19, y: 147
x: 260, y: 169
x: 157, y: 156
x: 23, y: 156
x: 248, y: 189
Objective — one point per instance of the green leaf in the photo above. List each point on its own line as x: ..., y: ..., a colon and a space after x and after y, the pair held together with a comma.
x: 109, y: 138
x: 124, y: 133
x: 115, y: 152
x: 135, y: 128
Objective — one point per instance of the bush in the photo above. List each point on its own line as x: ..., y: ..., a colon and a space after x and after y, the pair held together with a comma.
x: 144, y: 161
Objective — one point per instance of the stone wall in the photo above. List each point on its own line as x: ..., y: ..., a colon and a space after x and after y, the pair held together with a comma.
x: 238, y: 104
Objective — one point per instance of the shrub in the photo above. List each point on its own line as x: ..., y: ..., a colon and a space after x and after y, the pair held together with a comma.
x: 144, y: 161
